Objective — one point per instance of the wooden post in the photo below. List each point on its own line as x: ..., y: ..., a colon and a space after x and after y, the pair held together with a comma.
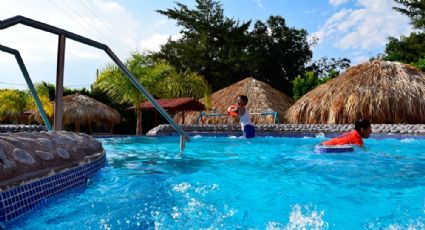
x: 57, y: 126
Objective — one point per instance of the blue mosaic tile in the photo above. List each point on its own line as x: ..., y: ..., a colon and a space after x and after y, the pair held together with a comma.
x: 23, y: 199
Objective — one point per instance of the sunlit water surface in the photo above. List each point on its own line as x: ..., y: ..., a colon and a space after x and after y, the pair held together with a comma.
x: 237, y: 183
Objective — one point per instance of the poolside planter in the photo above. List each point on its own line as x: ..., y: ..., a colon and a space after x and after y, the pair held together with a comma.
x: 37, y: 166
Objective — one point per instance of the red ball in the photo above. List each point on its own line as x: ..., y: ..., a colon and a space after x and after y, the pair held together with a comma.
x: 232, y: 110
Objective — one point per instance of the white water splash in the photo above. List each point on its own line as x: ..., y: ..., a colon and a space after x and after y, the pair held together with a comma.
x: 197, y: 136
x: 301, y: 218
x: 205, y: 189
x: 410, y: 226
x: 182, y: 187
x: 320, y: 135
x: 407, y: 140
x: 176, y: 214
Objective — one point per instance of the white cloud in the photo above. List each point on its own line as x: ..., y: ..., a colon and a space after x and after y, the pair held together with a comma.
x: 160, y: 23
x: 102, y: 20
x: 154, y: 42
x: 337, y: 2
x: 366, y: 27
x: 259, y: 3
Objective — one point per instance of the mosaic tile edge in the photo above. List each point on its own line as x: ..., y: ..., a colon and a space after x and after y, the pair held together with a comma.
x: 24, y: 198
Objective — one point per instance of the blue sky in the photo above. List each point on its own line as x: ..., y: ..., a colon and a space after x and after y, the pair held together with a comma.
x: 355, y: 29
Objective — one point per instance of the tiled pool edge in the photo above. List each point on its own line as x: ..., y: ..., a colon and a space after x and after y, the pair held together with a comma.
x: 24, y: 198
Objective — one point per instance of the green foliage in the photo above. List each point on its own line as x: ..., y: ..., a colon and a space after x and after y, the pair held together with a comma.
x: 225, y: 51
x: 42, y: 90
x: 415, y: 9
x: 303, y: 84
x: 319, y: 72
x: 212, y: 45
x: 51, y: 89
x: 158, y: 77
x: 420, y: 64
x: 310, y: 80
x: 278, y: 53
x: 12, y: 105
x: 325, y: 67
x: 410, y: 49
x: 184, y: 85
x: 407, y: 50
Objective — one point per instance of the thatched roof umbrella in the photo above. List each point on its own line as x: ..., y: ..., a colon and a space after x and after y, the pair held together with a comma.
x: 80, y: 109
x: 381, y: 91
x: 262, y: 97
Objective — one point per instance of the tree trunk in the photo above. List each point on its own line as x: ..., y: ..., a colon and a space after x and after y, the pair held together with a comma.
x: 139, y: 127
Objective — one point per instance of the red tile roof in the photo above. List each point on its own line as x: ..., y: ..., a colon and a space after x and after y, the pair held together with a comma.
x: 175, y: 104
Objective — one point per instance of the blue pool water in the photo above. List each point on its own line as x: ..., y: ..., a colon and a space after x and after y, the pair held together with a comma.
x: 237, y: 183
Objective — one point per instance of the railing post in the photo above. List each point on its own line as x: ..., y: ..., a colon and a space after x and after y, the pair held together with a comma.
x: 59, y: 84
x: 182, y: 140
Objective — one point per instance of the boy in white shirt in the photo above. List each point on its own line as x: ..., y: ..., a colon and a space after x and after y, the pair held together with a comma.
x: 247, y: 128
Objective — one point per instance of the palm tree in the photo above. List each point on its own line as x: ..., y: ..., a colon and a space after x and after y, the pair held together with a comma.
x: 158, y: 77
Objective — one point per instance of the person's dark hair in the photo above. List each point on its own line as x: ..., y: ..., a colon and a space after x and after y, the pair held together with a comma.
x: 361, y: 123
x: 243, y: 98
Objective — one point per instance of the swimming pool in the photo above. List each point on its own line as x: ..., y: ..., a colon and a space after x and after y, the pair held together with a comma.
x: 260, y: 183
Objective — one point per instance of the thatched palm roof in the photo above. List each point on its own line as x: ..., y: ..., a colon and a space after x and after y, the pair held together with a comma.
x: 381, y: 91
x: 83, y: 110
x: 174, y: 104
x: 262, y: 97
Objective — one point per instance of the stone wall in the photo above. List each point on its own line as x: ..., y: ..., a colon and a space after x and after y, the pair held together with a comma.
x: 281, y: 129
x: 21, y: 128
x: 25, y: 156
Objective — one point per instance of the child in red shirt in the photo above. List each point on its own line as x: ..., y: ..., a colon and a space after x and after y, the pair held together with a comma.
x: 362, y: 129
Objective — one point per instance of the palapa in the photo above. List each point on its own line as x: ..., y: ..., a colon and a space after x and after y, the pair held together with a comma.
x: 262, y: 97
x: 80, y: 109
x: 381, y: 91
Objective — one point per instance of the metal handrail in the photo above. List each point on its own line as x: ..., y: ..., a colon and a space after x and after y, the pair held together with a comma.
x: 29, y: 83
x: 61, y: 32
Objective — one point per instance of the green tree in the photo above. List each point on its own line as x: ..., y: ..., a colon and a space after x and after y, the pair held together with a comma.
x: 406, y: 49
x: 12, y: 105
x: 415, y: 9
x: 278, y: 53
x: 325, y: 67
x: 420, y: 64
x: 409, y: 49
x: 310, y: 80
x: 158, y: 77
x: 225, y: 51
x: 212, y: 44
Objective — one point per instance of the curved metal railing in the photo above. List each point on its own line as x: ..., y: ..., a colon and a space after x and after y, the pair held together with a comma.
x: 61, y: 49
